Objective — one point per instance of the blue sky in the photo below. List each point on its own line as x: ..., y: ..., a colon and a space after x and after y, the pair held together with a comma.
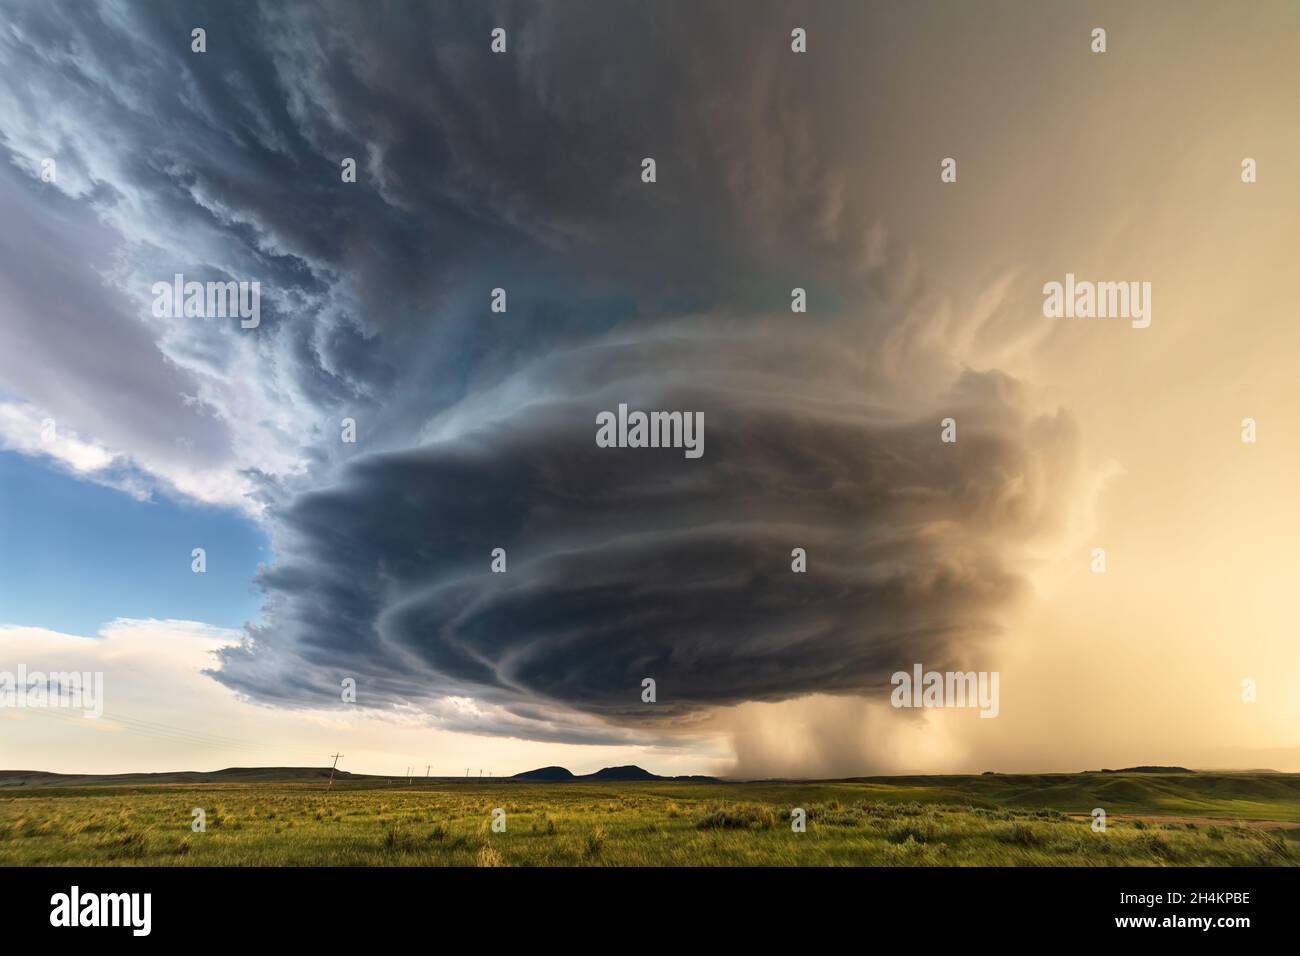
x: 77, y: 555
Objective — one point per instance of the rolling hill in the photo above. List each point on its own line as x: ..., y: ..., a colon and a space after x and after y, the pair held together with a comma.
x: 18, y: 779
x: 626, y: 774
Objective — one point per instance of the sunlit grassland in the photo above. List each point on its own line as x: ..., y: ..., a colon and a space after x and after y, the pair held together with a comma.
x: 961, y: 821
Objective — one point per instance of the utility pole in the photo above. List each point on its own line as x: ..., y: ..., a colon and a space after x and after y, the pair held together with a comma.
x: 336, y: 763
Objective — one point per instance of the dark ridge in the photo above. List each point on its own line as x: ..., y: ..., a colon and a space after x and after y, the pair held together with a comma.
x: 549, y: 774
x: 11, y: 779
x: 1150, y: 770
x: 622, y: 773
x: 608, y: 774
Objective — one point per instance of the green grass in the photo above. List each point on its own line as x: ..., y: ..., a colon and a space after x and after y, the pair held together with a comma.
x: 958, y: 821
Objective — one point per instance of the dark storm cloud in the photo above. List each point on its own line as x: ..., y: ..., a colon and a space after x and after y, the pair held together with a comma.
x: 476, y: 430
x: 633, y: 563
x: 475, y: 171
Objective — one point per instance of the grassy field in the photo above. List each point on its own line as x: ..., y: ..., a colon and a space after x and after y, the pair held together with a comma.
x: 1003, y: 820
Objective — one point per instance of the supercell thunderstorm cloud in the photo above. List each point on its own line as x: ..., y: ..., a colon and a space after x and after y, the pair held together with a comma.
x: 476, y: 427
